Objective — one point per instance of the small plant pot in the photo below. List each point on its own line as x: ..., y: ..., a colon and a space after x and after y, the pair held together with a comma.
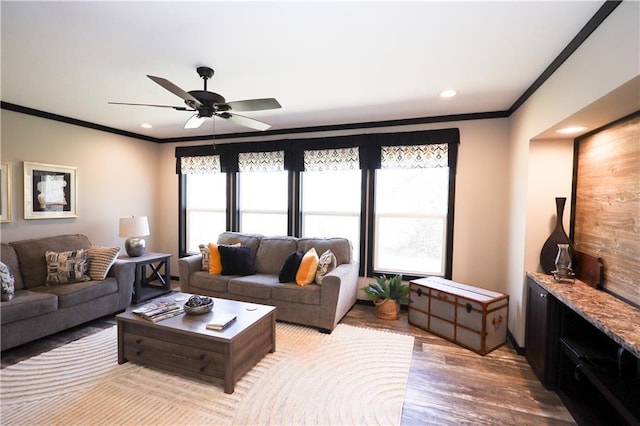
x: 388, y: 309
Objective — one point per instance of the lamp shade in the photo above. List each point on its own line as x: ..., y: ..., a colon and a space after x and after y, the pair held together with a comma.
x: 133, y: 227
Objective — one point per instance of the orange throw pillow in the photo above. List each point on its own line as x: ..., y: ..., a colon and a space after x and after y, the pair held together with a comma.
x: 308, y: 267
x: 215, y: 264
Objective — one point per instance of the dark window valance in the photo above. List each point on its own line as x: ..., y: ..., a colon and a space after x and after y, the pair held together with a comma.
x: 369, y: 147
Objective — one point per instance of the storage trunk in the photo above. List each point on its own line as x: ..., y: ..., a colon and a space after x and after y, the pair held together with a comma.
x: 469, y: 316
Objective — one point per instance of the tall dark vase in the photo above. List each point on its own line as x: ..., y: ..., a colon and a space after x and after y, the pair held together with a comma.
x: 558, y: 236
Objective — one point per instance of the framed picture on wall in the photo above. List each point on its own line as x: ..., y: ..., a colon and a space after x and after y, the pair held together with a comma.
x: 5, y: 192
x: 49, y: 191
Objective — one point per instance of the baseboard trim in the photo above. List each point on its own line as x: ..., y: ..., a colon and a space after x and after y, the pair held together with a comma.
x: 520, y: 350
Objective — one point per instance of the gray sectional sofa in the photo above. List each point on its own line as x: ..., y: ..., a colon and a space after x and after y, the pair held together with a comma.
x: 321, y: 306
x: 37, y: 310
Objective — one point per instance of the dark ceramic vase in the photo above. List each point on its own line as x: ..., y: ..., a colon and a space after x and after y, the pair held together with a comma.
x: 558, y: 236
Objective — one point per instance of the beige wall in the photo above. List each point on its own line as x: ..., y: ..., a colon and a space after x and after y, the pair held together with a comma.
x: 608, y: 59
x: 117, y: 176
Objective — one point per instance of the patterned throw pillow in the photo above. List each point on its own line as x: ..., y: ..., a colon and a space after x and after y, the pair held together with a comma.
x: 100, y: 261
x: 6, y: 276
x: 308, y: 267
x: 67, y: 267
x: 326, y: 264
x: 204, y: 250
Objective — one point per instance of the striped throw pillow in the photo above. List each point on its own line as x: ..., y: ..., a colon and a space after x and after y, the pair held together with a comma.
x: 100, y: 261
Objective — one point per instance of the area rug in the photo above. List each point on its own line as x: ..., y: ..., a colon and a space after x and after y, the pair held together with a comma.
x: 352, y: 376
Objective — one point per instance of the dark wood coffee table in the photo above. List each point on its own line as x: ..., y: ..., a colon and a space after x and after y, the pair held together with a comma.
x: 184, y: 345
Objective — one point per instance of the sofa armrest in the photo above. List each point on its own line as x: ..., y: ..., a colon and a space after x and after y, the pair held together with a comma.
x: 188, y: 265
x: 124, y: 273
x: 338, y: 293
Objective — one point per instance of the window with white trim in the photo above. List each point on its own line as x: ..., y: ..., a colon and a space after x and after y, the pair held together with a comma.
x: 411, y: 207
x: 332, y: 194
x: 263, y: 193
x: 206, y: 200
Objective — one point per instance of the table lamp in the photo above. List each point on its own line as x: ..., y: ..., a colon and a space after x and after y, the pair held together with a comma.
x: 133, y: 229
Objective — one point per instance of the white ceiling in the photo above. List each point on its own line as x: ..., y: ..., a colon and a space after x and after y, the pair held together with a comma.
x: 327, y: 63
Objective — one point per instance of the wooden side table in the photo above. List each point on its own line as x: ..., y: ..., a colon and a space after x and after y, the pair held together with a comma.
x: 152, y: 277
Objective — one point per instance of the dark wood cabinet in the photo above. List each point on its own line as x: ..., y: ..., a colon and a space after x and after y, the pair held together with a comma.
x: 541, y: 334
x: 595, y: 372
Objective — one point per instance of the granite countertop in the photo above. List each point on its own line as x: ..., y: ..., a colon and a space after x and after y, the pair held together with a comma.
x: 617, y: 319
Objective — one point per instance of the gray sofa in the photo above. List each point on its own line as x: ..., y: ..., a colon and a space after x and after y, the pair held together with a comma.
x: 37, y: 310
x: 320, y: 306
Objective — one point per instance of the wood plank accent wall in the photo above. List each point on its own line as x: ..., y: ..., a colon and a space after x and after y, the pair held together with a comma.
x: 607, y: 204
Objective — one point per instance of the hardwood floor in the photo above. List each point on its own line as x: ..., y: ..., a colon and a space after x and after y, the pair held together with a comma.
x: 448, y: 385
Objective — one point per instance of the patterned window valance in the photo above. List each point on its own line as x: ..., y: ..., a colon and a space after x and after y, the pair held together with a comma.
x: 200, y: 165
x: 414, y: 156
x: 321, y: 160
x: 271, y: 161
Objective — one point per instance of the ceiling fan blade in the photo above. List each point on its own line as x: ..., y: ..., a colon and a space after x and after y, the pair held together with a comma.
x: 175, y: 89
x: 194, y: 122
x: 179, y: 108
x: 254, y: 104
x: 245, y: 121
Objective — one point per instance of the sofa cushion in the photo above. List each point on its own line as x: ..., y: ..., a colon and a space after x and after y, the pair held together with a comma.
x: 67, y: 266
x: 272, y: 253
x: 290, y: 267
x: 290, y: 292
x: 235, y: 260
x: 326, y: 264
x: 100, y: 261
x: 31, y: 255
x: 6, y: 278
x: 76, y: 293
x: 246, y: 240
x: 27, y: 304
x: 308, y: 267
x: 256, y: 286
x: 341, y: 247
x: 206, y: 281
x: 10, y: 258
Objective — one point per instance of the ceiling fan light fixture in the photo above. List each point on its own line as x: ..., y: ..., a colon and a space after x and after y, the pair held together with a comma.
x: 194, y: 122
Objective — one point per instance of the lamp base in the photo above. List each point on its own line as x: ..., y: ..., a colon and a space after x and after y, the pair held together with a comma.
x: 135, y: 246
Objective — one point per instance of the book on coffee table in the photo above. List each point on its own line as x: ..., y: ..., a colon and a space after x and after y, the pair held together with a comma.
x: 221, y: 320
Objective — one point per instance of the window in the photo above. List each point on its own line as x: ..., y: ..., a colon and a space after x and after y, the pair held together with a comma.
x: 331, y: 195
x: 206, y: 200
x: 391, y: 194
x: 263, y: 193
x: 411, y: 205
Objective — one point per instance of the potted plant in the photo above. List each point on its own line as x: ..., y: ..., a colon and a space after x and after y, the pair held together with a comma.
x: 387, y: 294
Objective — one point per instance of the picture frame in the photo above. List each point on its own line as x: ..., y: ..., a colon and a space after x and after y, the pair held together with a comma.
x: 5, y: 192
x: 49, y: 191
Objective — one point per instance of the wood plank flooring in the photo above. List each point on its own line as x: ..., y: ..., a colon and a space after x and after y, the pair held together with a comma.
x: 448, y: 385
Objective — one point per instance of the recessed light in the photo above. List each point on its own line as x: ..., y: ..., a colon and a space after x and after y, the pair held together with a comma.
x: 448, y: 93
x: 571, y: 129
x: 146, y: 126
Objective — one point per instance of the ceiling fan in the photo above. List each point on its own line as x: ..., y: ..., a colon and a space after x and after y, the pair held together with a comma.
x: 208, y: 104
